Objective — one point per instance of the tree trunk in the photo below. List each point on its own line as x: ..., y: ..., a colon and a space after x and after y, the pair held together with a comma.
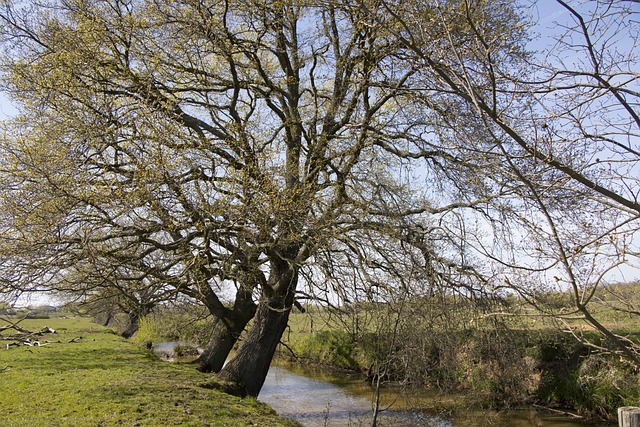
x: 250, y: 365
x: 132, y: 327
x: 108, y: 319
x: 134, y: 319
x: 225, y: 335
x: 226, y: 331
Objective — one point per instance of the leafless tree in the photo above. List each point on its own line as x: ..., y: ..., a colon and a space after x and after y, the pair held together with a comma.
x: 559, y: 132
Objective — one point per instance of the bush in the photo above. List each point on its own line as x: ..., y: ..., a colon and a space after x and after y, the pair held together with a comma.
x: 169, y: 325
x: 492, y: 365
x: 334, y: 348
x: 148, y: 331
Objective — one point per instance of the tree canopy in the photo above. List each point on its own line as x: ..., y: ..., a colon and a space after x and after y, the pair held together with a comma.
x: 239, y: 153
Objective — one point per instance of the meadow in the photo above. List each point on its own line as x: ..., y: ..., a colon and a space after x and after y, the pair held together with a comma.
x: 87, y: 375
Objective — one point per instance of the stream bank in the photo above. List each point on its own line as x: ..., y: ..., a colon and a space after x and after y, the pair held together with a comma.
x: 317, y: 399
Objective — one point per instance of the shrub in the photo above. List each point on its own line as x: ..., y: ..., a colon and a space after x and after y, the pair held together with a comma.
x: 333, y: 348
x: 148, y: 331
x: 173, y: 326
x: 494, y: 366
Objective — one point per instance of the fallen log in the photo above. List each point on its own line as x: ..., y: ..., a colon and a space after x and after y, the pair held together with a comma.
x: 558, y: 411
x: 23, y: 335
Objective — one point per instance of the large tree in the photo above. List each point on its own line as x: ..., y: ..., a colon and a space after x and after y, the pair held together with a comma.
x: 234, y: 151
x: 216, y: 147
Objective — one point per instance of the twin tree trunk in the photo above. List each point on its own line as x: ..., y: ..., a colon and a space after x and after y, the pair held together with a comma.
x: 226, y: 332
x: 250, y: 365
x: 228, y: 326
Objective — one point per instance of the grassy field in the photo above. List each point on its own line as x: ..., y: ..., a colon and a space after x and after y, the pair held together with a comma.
x: 87, y: 376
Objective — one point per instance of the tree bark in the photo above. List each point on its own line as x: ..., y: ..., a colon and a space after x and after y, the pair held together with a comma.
x: 226, y: 331
x: 250, y: 365
x: 133, y: 325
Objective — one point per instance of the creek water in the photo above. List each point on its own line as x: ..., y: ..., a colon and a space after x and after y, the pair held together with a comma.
x: 317, y: 399
x: 314, y: 402
x: 166, y: 351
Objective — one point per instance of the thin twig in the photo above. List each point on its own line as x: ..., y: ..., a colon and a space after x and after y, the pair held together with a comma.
x: 558, y: 411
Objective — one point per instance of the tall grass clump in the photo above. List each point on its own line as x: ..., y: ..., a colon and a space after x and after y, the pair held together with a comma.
x: 605, y: 384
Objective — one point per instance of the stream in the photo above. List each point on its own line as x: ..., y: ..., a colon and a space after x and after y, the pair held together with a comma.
x: 314, y: 403
x: 318, y: 399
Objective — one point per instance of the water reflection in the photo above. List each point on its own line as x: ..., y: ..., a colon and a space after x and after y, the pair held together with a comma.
x: 167, y: 351
x: 315, y: 403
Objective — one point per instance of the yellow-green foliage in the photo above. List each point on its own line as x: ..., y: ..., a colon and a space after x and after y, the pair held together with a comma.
x: 148, y: 330
x: 88, y: 376
x: 168, y: 325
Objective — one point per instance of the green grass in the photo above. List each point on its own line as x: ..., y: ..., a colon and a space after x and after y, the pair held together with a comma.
x: 103, y: 380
